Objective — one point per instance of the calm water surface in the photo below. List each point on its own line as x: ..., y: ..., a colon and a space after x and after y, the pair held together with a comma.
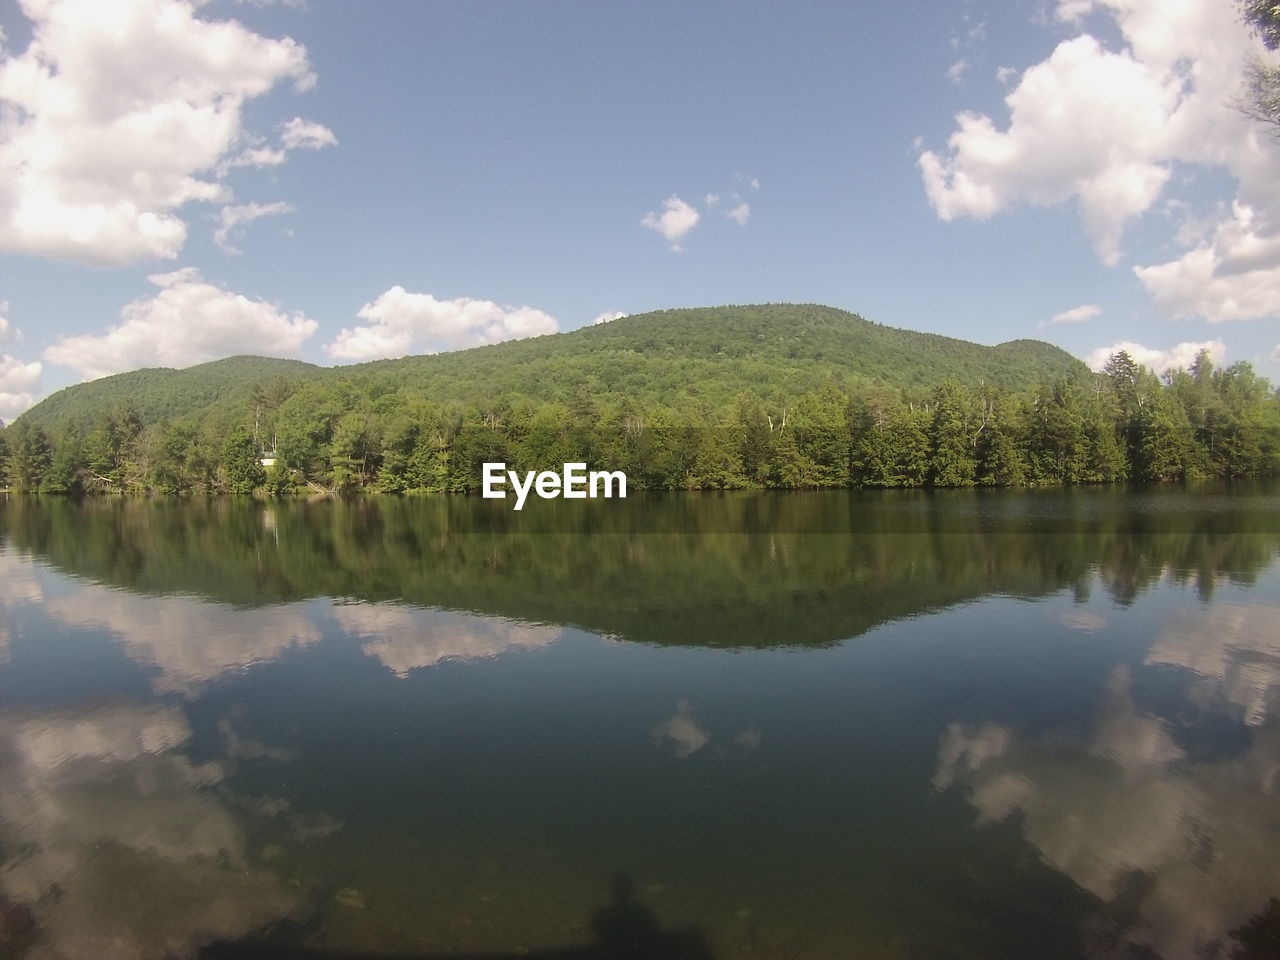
x: 980, y: 724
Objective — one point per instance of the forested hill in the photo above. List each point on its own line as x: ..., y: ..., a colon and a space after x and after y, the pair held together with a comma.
x: 670, y: 357
x: 766, y: 396
x: 160, y: 394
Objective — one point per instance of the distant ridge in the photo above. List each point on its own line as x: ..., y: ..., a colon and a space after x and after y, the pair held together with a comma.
x: 679, y: 357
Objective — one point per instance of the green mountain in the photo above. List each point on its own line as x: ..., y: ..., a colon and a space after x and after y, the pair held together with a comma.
x: 670, y: 357
x: 160, y: 393
x: 781, y: 396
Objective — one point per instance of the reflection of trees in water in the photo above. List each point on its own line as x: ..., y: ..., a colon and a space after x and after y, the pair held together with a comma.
x: 740, y: 570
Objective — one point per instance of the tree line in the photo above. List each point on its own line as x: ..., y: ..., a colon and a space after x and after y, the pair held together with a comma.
x: 1124, y: 423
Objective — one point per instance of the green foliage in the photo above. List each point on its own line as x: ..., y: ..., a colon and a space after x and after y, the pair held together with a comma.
x: 777, y: 396
x: 242, y: 471
x: 29, y: 456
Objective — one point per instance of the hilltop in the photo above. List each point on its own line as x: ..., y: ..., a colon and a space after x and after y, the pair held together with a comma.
x: 669, y: 357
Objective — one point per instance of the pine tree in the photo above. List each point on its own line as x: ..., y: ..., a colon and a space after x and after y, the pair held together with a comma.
x: 951, y: 457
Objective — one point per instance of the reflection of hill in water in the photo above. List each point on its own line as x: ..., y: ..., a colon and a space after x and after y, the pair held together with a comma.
x: 744, y: 570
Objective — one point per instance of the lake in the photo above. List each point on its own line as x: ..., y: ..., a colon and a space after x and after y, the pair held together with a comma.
x: 962, y: 724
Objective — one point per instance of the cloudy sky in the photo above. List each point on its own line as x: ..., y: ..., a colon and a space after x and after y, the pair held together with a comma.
x: 182, y: 181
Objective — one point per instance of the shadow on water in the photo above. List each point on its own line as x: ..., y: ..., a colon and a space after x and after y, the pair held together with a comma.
x: 624, y: 929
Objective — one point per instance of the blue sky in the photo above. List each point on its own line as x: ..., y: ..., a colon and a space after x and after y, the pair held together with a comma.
x: 340, y: 181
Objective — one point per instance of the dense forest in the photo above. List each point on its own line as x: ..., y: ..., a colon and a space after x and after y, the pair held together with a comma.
x: 734, y: 397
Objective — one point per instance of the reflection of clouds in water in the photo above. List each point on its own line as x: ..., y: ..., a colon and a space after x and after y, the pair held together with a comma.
x: 1084, y: 620
x: 686, y: 736
x: 682, y: 731
x: 1127, y: 799
x: 405, y: 638
x: 190, y: 641
x: 116, y: 844
x: 18, y: 585
x: 1234, y: 647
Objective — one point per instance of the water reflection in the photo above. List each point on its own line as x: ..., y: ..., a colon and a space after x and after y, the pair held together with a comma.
x: 18, y: 587
x: 748, y: 571
x: 1178, y: 850
x: 189, y: 642
x: 397, y: 777
x: 119, y: 846
x: 408, y: 638
x: 685, y: 736
x: 1235, y: 651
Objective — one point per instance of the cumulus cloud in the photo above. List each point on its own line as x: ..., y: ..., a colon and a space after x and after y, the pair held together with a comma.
x: 1275, y: 354
x: 400, y: 322
x: 740, y: 214
x: 711, y: 199
x: 19, y: 381
x: 1105, y: 129
x: 675, y: 221
x: 189, y: 321
x: 1109, y: 164
x: 258, y: 156
x: 119, y: 114
x: 608, y: 317
x: 299, y: 134
x: 957, y: 70
x: 1233, y: 276
x: 1081, y: 314
x: 232, y: 218
x: 19, y: 385
x: 1179, y: 357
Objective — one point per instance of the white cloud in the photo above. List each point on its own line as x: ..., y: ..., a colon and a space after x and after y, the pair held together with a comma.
x: 1178, y: 357
x: 232, y: 218
x: 711, y: 199
x: 1233, y: 276
x: 19, y: 386
x: 608, y: 316
x: 956, y: 72
x: 400, y: 322
x: 189, y: 321
x: 1275, y: 354
x: 19, y: 381
x: 1045, y: 158
x: 1105, y: 129
x: 675, y: 221
x: 1081, y: 314
x: 119, y: 114
x: 259, y: 157
x: 299, y: 134
x: 740, y: 214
